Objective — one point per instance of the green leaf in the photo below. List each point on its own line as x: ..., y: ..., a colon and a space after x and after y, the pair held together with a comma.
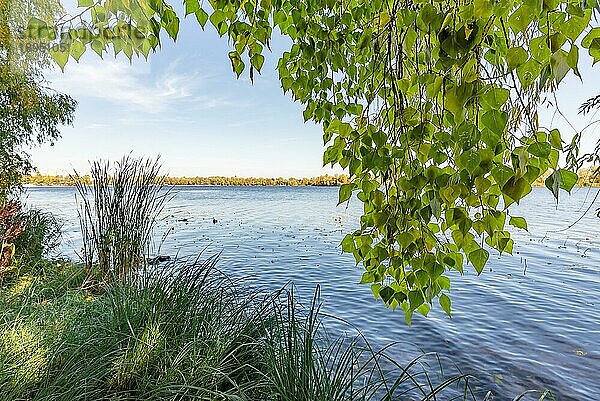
x: 575, y: 9
x: 568, y: 179
x: 553, y: 158
x: 529, y: 72
x: 479, y: 258
x: 345, y: 192
x: 77, y: 50
x: 555, y: 139
x: 469, y: 160
x: 539, y: 48
x: 445, y: 303
x: 218, y: 20
x: 455, y: 104
x: 540, y: 149
x: 502, y: 174
x: 415, y: 299
x: 586, y: 42
x: 192, y: 6
x: 237, y: 65
x: 552, y: 182
x: 495, y: 121
x: 518, y: 222
x: 257, y: 61
x: 560, y: 65
x: 202, y: 17
x: 340, y: 128
x: 496, y: 97
x: 574, y: 26
x: 557, y: 40
x: 367, y: 277
x: 573, y: 59
x: 424, y: 309
x: 594, y: 50
x: 520, y: 19
x: 348, y: 244
x: 85, y: 3
x: 172, y: 28
x: 37, y: 29
x: 516, y: 188
x: 98, y: 47
x: 386, y: 293
x: 60, y: 56
x: 482, y: 184
x: 515, y: 57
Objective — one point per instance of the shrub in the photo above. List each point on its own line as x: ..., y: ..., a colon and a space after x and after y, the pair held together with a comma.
x: 41, y: 236
x: 27, y: 237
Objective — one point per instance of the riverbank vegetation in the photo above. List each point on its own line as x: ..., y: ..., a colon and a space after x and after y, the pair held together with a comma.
x: 323, y: 180
x: 186, y: 331
x: 118, y: 328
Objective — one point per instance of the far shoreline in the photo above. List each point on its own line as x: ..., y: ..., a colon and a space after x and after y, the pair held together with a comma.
x: 194, y: 185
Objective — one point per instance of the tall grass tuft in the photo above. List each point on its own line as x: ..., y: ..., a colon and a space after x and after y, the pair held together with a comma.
x: 117, y: 213
x: 305, y: 363
x: 180, y: 332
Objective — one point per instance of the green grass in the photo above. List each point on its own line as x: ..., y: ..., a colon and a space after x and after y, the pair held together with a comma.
x: 186, y: 331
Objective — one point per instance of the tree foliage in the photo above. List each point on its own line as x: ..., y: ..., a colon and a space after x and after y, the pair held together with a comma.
x: 431, y: 107
x: 30, y: 112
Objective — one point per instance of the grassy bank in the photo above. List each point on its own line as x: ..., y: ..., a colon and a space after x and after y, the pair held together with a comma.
x: 184, y: 331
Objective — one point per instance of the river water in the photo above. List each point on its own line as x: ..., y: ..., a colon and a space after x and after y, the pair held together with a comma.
x: 530, y: 321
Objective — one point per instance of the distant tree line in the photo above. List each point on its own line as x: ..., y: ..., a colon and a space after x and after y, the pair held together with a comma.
x: 323, y: 180
x: 588, y: 177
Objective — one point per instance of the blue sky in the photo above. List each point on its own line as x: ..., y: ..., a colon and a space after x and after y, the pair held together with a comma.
x: 186, y: 105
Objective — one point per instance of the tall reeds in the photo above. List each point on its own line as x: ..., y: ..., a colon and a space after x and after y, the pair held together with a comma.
x: 117, y: 214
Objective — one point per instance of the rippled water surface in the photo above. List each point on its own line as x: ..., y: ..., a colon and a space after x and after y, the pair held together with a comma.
x: 532, y: 320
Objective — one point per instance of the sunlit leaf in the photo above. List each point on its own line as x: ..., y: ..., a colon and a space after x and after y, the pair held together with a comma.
x: 568, y: 179
x: 345, y: 192
x: 445, y: 303
x: 518, y: 222
x: 479, y: 258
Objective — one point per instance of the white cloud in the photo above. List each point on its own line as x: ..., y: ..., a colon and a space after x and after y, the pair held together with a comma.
x: 134, y: 87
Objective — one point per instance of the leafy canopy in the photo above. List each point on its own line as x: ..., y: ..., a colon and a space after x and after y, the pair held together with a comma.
x: 30, y: 112
x: 430, y: 106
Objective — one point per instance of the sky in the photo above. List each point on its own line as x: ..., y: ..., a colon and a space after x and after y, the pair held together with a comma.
x: 186, y: 105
